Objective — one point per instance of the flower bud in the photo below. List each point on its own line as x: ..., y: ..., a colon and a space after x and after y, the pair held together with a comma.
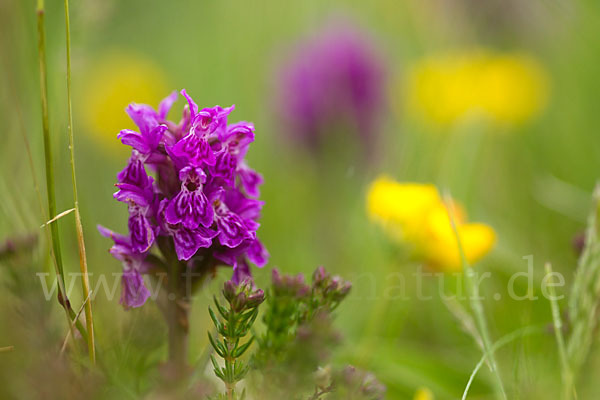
x: 247, y: 285
x: 239, y: 302
x: 320, y: 277
x: 229, y: 290
x: 276, y: 277
x: 255, y: 298
x: 338, y: 288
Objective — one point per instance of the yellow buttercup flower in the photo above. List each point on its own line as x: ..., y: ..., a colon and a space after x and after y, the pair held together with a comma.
x: 401, y: 207
x: 506, y: 88
x: 415, y: 215
x: 423, y: 394
x: 119, y: 78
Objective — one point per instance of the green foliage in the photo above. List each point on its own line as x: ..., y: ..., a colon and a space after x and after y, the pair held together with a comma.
x: 294, y: 307
x: 299, y: 335
x: 232, y: 324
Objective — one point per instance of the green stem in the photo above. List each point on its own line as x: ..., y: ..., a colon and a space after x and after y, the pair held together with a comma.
x: 229, y: 359
x: 85, y: 282
x: 567, y: 376
x: 177, y: 319
x: 476, y: 304
x: 55, y: 239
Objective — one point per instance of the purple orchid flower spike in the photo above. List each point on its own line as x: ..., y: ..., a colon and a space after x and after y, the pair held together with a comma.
x: 200, y: 207
x: 190, y: 206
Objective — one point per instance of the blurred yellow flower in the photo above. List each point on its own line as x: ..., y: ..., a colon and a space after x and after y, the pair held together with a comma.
x: 117, y: 79
x: 423, y: 394
x: 401, y: 207
x: 415, y: 215
x: 506, y: 88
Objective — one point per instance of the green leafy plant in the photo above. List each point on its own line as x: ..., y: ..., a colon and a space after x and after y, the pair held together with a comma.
x: 232, y: 324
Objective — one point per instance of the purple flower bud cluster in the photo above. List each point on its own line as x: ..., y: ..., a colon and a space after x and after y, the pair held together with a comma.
x: 333, y: 288
x: 289, y: 285
x: 243, y: 295
x: 200, y: 192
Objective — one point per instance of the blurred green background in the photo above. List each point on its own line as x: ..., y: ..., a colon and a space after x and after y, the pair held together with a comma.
x: 531, y: 182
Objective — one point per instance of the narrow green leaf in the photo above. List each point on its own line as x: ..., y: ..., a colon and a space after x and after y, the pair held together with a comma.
x: 242, y: 373
x: 216, y: 345
x: 242, y: 349
x: 217, y: 323
x: 217, y: 368
x: 222, y: 310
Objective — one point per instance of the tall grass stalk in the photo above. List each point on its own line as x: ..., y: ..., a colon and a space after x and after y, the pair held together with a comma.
x: 55, y: 247
x: 85, y: 282
x: 475, y: 301
x: 530, y: 330
x: 585, y: 293
x: 567, y: 376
